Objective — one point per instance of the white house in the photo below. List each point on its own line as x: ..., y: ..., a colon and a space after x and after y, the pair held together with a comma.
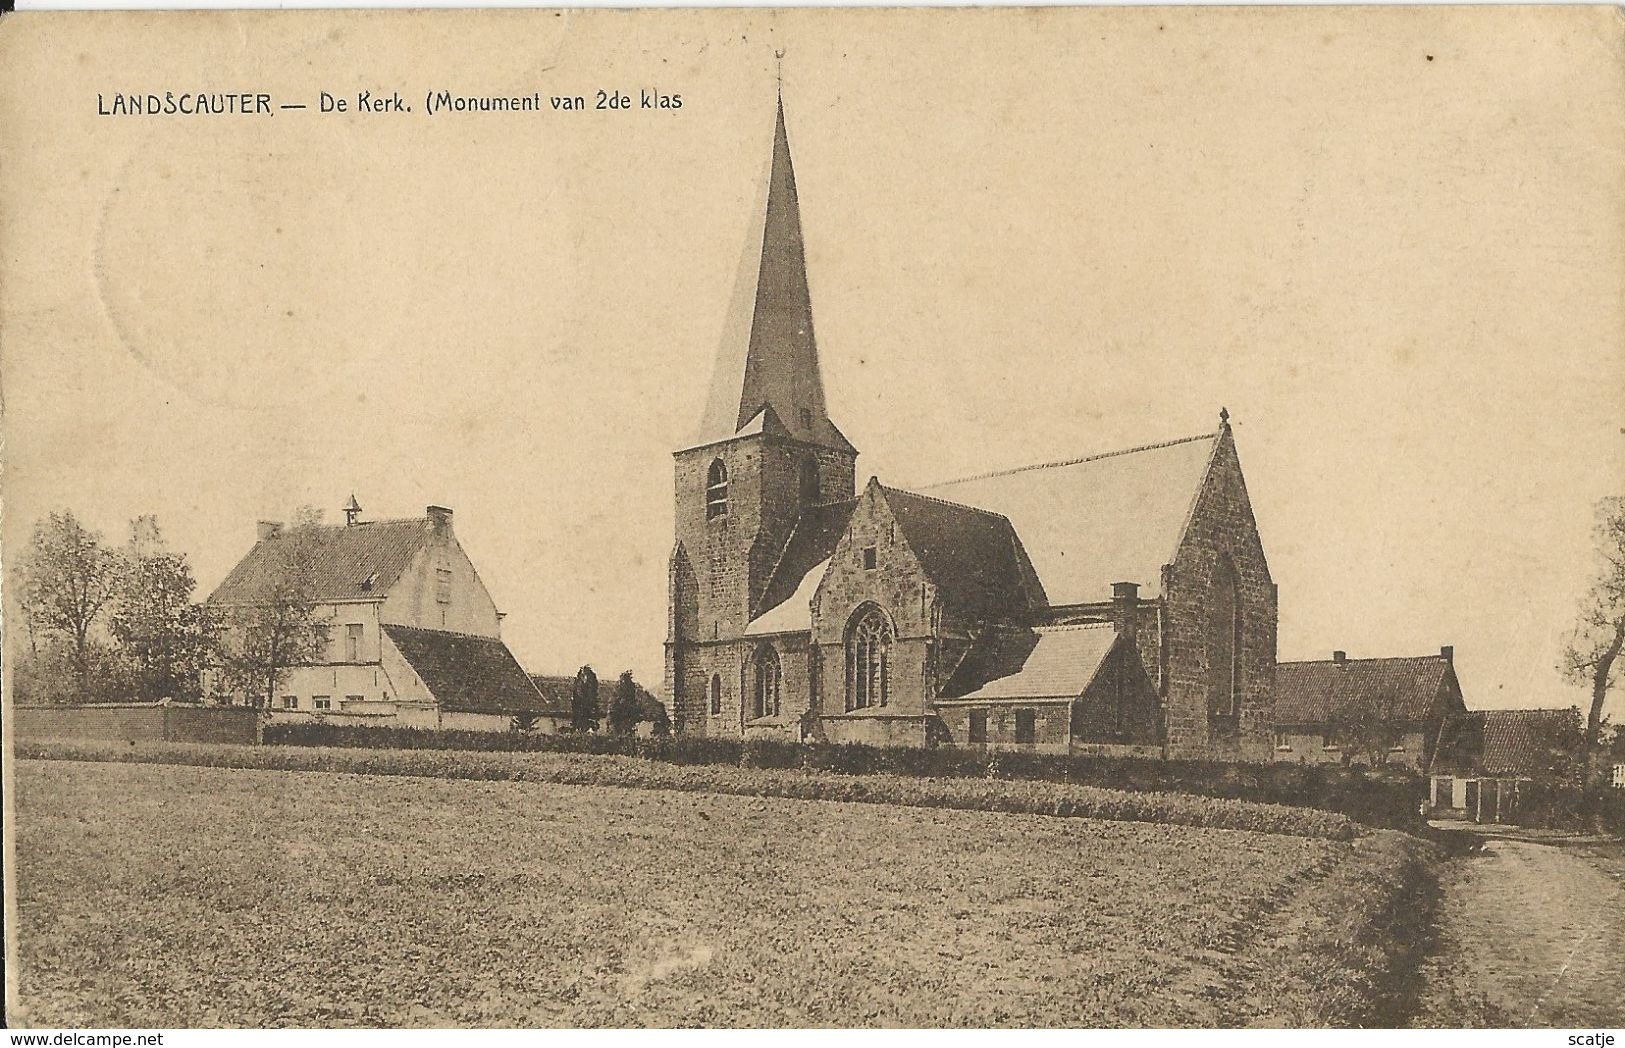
x: 414, y: 636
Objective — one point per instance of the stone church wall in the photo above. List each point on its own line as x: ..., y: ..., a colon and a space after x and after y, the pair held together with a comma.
x: 1222, y: 523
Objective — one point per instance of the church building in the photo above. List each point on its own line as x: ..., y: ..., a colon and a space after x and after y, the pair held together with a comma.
x: 1118, y: 602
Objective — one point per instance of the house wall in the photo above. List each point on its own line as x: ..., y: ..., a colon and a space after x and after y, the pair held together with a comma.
x: 339, y: 683
x: 415, y: 600
x: 1052, y: 726
x: 1221, y: 525
x: 1306, y: 747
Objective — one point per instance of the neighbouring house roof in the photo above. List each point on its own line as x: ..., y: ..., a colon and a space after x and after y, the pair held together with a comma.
x: 357, y: 562
x: 559, y: 694
x: 972, y: 555
x: 1314, y: 693
x: 1048, y: 662
x: 1089, y: 522
x: 1501, y: 742
x: 467, y: 674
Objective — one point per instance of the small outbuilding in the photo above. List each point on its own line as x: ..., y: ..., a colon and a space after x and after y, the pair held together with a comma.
x: 1490, y: 763
x: 1054, y: 689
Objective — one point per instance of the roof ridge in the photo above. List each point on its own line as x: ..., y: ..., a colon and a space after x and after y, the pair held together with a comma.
x: 946, y: 502
x: 448, y: 633
x: 1367, y: 658
x: 1072, y: 461
x: 294, y: 529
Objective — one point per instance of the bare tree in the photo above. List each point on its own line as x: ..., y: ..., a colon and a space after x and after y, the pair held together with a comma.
x: 279, y: 628
x: 1591, y: 655
x: 68, y: 579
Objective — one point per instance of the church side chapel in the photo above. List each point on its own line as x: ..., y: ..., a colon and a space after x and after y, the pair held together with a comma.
x: 1117, y: 603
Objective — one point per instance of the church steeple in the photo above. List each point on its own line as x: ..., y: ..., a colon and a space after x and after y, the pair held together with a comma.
x: 767, y: 378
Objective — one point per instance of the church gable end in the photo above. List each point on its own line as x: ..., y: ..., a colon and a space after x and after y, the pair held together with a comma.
x: 1219, y: 635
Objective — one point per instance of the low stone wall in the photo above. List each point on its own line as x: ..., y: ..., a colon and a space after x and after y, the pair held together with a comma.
x: 138, y: 723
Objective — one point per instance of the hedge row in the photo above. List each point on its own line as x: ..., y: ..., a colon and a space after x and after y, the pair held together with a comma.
x: 1390, y: 800
x: 996, y: 795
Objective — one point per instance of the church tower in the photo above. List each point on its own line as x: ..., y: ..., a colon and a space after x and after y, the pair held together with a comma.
x: 765, y: 452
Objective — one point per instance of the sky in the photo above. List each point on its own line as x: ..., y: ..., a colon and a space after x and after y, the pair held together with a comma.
x: 1390, y: 242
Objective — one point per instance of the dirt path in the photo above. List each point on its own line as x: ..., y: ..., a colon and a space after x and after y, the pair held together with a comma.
x: 1530, y: 935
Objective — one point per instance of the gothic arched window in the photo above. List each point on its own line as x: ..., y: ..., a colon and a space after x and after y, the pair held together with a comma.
x: 1224, y: 640
x: 868, y: 651
x: 809, y: 481
x: 716, y: 491
x: 767, y: 679
x: 716, y: 693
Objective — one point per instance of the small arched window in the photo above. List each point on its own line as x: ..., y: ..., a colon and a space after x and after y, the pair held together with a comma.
x: 716, y: 491
x: 1224, y: 640
x: 767, y: 680
x: 809, y: 481
x: 868, y: 654
x: 716, y: 694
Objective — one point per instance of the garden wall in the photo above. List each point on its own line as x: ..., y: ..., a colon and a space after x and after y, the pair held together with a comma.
x: 137, y: 723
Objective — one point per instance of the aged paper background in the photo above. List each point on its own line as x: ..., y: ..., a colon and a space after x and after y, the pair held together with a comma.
x: 1388, y: 240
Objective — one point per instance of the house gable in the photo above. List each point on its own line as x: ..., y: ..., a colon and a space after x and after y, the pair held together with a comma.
x: 441, y: 590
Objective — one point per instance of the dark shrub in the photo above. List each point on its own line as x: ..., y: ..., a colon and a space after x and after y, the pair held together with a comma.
x: 1390, y: 799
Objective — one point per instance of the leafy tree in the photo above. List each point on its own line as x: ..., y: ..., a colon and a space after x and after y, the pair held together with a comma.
x: 584, y: 700
x: 48, y: 674
x: 165, y: 637
x: 1591, y: 656
x: 624, y: 708
x: 265, y: 638
x: 67, y: 580
x: 1369, y: 727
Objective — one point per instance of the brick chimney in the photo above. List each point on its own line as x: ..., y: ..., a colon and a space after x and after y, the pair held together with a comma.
x: 1126, y: 609
x: 268, y: 529
x: 1448, y: 654
x: 1340, y: 657
x: 439, y: 521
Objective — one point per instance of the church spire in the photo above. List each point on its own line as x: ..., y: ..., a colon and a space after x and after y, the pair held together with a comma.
x: 767, y: 376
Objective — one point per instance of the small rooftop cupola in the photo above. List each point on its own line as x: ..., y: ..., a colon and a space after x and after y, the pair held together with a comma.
x: 767, y: 377
x: 352, y: 512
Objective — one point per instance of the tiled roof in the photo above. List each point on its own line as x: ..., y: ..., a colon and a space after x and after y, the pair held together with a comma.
x: 1312, y: 693
x: 558, y: 693
x: 346, y: 563
x: 801, y: 566
x: 1501, y: 742
x: 793, y: 615
x: 1090, y: 522
x: 972, y: 555
x: 466, y: 673
x: 1060, y: 662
